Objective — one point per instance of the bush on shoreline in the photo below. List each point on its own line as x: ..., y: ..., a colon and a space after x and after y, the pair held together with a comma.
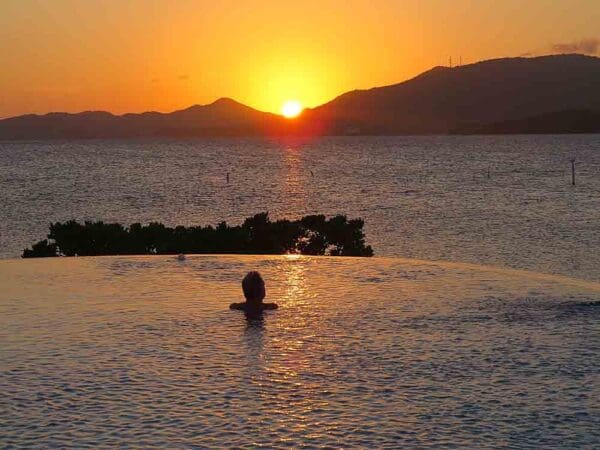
x: 311, y: 235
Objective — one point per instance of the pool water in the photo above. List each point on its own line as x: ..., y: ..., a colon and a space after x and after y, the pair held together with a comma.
x: 381, y: 353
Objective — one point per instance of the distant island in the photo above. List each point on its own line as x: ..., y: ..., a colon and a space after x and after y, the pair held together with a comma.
x: 310, y: 235
x: 548, y: 94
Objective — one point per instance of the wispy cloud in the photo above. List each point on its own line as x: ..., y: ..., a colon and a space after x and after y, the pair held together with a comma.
x: 589, y: 46
x: 183, y: 77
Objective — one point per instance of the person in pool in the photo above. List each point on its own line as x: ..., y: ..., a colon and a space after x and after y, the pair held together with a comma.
x: 253, y: 286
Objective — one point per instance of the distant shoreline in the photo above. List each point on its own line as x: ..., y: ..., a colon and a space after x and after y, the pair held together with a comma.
x: 557, y: 94
x: 298, y: 137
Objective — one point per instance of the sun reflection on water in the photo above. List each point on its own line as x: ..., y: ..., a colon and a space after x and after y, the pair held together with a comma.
x: 292, y: 322
x: 294, y: 188
x: 294, y: 277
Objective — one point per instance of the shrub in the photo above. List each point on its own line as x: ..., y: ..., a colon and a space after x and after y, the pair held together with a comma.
x: 311, y: 235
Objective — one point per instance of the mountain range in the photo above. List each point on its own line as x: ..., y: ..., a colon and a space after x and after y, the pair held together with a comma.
x: 548, y: 94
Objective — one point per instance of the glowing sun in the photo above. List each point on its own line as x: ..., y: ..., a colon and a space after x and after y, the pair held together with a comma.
x: 291, y: 109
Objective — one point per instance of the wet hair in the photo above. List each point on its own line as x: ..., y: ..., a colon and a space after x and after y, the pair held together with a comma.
x: 253, y: 286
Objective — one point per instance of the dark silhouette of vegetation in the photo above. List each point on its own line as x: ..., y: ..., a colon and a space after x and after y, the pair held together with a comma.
x: 311, y: 235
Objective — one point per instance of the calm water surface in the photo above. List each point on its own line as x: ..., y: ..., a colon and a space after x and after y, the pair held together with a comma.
x: 500, y: 200
x: 363, y: 353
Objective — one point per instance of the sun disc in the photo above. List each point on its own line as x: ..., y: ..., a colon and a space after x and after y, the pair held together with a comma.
x: 291, y: 109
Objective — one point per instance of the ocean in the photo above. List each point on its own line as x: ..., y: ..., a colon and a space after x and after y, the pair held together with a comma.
x: 495, y: 200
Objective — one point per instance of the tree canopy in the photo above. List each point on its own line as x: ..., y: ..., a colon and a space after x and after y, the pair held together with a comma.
x: 310, y: 235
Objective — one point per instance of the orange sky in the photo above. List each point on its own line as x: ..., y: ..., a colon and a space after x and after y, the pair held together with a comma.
x: 138, y: 55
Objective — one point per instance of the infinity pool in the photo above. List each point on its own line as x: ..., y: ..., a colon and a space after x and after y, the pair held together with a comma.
x: 382, y: 353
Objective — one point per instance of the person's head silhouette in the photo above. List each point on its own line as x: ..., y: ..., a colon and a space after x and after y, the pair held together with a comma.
x: 253, y: 286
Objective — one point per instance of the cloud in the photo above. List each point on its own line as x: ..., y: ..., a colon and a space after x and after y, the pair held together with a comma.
x: 183, y: 77
x: 589, y: 46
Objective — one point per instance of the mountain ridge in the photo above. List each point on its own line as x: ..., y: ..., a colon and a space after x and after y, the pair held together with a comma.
x: 442, y: 99
x: 486, y: 96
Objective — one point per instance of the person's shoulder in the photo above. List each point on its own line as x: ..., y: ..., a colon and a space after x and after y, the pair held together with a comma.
x: 244, y: 306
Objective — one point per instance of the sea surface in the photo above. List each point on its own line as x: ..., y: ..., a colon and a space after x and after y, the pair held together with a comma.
x: 496, y: 200
x: 143, y: 352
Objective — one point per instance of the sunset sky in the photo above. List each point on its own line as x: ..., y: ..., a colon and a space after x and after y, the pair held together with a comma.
x: 138, y: 55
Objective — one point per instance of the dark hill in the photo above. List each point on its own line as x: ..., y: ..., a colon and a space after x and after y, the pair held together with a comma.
x: 550, y: 94
x: 445, y: 99
x: 225, y: 117
x: 580, y: 121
